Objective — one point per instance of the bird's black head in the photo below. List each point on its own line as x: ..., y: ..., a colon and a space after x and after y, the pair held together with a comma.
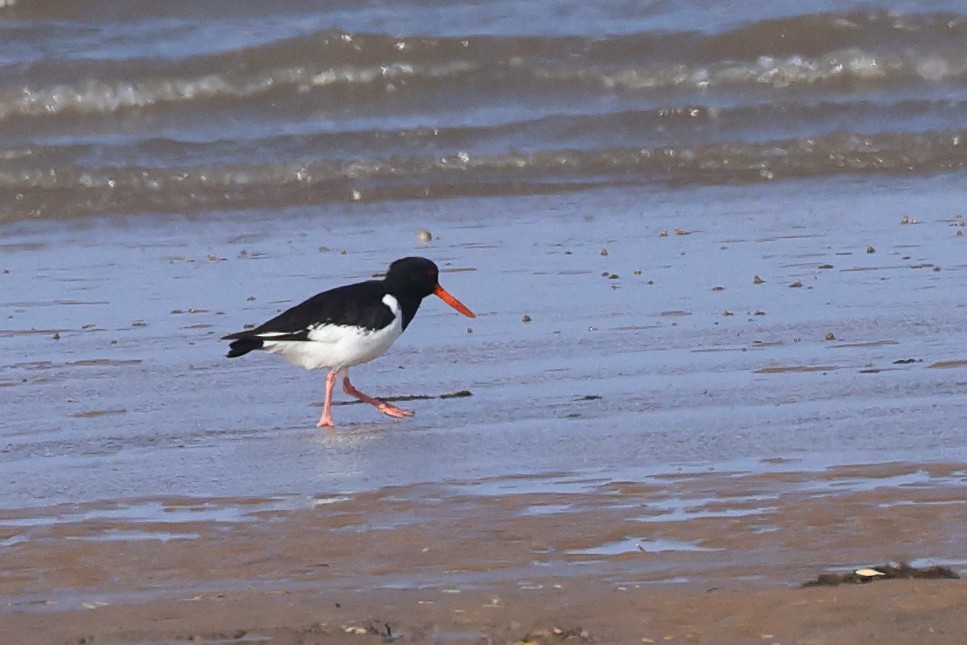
x: 413, y: 279
x: 416, y: 276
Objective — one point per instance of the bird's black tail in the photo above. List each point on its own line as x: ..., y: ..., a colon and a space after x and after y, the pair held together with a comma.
x: 243, y: 346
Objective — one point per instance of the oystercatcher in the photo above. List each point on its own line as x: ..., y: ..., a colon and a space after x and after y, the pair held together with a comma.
x: 348, y: 326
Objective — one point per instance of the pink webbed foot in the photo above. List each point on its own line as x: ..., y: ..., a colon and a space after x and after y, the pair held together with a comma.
x: 393, y: 411
x: 386, y: 408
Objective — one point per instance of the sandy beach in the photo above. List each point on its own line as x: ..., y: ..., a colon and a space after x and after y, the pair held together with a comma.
x: 665, y: 452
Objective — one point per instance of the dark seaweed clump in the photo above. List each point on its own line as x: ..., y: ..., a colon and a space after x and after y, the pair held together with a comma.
x: 888, y: 571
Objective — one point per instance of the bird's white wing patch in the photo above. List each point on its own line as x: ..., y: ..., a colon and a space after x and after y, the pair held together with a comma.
x: 272, y: 334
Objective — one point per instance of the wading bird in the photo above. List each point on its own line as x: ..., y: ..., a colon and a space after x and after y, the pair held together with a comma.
x: 348, y: 326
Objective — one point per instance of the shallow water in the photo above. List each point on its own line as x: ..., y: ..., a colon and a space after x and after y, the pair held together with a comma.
x: 125, y: 392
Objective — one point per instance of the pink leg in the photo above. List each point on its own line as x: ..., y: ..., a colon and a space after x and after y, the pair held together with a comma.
x: 325, y: 421
x: 382, y: 406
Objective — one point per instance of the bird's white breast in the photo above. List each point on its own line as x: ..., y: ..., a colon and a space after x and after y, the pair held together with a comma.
x: 334, y: 346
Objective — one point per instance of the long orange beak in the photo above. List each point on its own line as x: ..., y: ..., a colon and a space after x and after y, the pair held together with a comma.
x: 453, y: 302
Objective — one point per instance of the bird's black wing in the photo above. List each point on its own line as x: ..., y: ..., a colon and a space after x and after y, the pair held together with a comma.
x: 359, y: 305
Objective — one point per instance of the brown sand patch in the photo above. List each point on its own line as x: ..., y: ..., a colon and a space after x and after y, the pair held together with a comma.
x: 713, y: 558
x: 948, y: 364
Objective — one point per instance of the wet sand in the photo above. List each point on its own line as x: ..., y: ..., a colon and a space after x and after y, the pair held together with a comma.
x: 666, y: 451
x: 682, y: 558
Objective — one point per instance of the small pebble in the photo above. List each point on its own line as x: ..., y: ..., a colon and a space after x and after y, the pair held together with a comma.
x: 757, y: 280
x: 604, y: 251
x: 869, y: 573
x: 526, y: 318
x: 870, y: 249
x: 830, y: 336
x: 424, y: 235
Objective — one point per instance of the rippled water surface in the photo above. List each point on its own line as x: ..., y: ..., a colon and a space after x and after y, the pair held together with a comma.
x: 138, y: 107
